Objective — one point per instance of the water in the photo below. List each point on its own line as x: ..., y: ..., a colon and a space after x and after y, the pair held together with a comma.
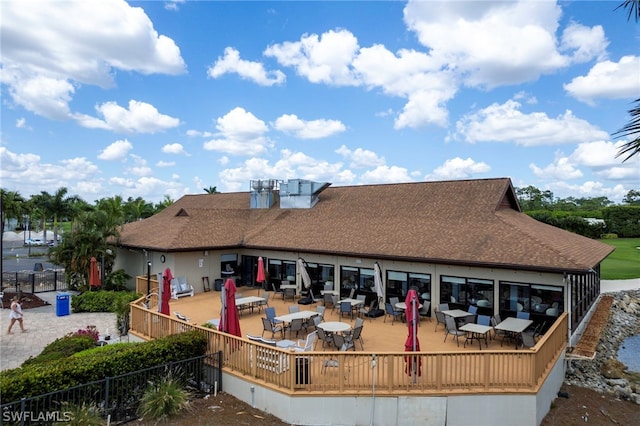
x: 629, y: 353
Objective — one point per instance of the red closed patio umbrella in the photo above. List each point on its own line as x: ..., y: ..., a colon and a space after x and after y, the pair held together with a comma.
x: 412, y: 344
x: 261, y: 276
x: 94, y: 274
x: 230, y: 320
x: 166, y: 292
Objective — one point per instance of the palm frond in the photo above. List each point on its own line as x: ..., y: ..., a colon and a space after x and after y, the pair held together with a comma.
x: 632, y: 128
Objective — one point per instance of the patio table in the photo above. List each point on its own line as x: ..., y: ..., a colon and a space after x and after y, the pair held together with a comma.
x: 477, y: 332
x: 456, y: 313
x: 334, y: 326
x: 302, y: 314
x: 403, y: 305
x: 249, y: 302
x: 354, y: 302
x: 514, y: 326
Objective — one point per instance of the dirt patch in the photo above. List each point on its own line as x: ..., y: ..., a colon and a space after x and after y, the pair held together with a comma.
x: 586, y: 405
x: 222, y: 409
x: 28, y: 301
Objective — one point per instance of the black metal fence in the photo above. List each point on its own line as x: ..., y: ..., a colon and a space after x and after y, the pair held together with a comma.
x: 117, y: 399
x: 34, y: 281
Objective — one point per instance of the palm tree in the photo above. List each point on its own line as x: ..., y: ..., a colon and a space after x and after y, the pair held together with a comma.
x: 211, y: 190
x: 11, y: 206
x: 61, y: 207
x: 137, y: 209
x: 632, y: 128
x: 633, y: 7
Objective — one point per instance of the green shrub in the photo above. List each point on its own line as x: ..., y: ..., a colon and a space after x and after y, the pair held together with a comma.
x: 84, y: 414
x: 163, y: 399
x: 108, y: 361
x: 102, y: 300
x: 63, y: 348
x: 609, y: 236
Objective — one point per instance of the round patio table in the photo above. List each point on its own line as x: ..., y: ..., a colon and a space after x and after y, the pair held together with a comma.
x: 334, y: 326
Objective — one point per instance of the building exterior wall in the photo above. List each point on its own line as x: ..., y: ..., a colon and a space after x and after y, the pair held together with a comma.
x: 455, y: 410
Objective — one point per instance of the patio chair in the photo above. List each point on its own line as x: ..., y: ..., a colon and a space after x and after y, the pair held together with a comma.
x: 296, y: 325
x: 323, y: 337
x: 309, y: 323
x: 267, y: 325
x: 356, y: 336
x: 365, y: 310
x: 528, y: 341
x: 320, y: 310
x: 388, y: 307
x: 270, y: 312
x: 522, y: 315
x: 472, y: 309
x: 452, y: 330
x: 440, y: 319
x: 503, y: 334
x: 341, y: 343
x: 334, y: 300
x: 394, y: 300
x: 345, y: 308
x: 306, y: 345
x: 443, y: 307
x: 275, y: 292
x: 327, y: 299
x: 293, y: 309
x: 181, y: 317
x: 425, y: 310
x: 265, y: 302
x: 289, y: 292
x: 483, y: 320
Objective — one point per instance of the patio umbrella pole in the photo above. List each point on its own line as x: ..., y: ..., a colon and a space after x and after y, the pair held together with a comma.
x: 415, y: 333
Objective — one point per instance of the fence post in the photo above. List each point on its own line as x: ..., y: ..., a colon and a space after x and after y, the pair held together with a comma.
x: 16, y: 282
x: 106, y: 396
x: 22, y: 413
x: 33, y: 283
x: 55, y: 280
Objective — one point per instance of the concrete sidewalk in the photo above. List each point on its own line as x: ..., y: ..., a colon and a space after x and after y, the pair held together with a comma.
x: 43, y: 327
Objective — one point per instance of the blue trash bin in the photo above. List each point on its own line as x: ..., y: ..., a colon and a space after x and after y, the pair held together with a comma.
x: 63, y: 304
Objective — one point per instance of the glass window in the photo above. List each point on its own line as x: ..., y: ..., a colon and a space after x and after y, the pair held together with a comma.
x: 397, y: 284
x: 349, y: 279
x: 320, y: 274
x: 229, y: 264
x: 542, y: 301
x: 422, y: 283
x: 461, y: 293
x: 280, y: 270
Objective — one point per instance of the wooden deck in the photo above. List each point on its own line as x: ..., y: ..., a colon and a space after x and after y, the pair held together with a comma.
x: 379, y: 334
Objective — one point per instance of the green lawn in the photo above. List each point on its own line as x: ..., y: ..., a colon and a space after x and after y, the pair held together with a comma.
x: 624, y: 262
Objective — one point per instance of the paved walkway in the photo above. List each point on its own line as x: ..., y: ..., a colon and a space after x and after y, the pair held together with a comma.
x: 43, y: 327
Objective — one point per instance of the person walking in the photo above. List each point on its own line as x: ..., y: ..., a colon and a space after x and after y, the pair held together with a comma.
x: 15, y: 314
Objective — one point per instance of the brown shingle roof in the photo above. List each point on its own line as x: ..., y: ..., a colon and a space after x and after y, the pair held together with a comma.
x: 454, y: 222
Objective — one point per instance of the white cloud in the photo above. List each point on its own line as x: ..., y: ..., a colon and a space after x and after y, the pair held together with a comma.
x: 174, y: 148
x: 28, y: 173
x: 386, y: 174
x: 314, y: 129
x: 240, y: 133
x: 458, y: 168
x: 149, y: 188
x: 506, y: 123
x: 21, y: 123
x: 141, y: 117
x: 117, y: 151
x: 361, y: 158
x: 196, y: 133
x: 490, y: 43
x: 165, y: 163
x: 140, y: 167
x: 173, y: 5
x: 321, y: 59
x: 47, y: 47
x: 253, y: 71
x: 599, y: 157
x: 613, y: 80
x: 585, y: 43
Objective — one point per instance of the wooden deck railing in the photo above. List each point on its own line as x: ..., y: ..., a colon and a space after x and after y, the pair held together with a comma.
x: 354, y: 373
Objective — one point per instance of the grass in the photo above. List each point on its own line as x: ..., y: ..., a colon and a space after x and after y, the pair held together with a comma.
x: 624, y: 262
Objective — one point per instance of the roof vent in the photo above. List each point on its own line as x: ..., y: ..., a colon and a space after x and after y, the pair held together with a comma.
x: 182, y: 213
x: 300, y: 193
x: 263, y: 193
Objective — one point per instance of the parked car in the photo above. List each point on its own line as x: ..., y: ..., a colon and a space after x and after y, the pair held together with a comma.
x: 33, y: 242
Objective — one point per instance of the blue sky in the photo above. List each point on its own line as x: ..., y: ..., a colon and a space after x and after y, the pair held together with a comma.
x: 160, y: 98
